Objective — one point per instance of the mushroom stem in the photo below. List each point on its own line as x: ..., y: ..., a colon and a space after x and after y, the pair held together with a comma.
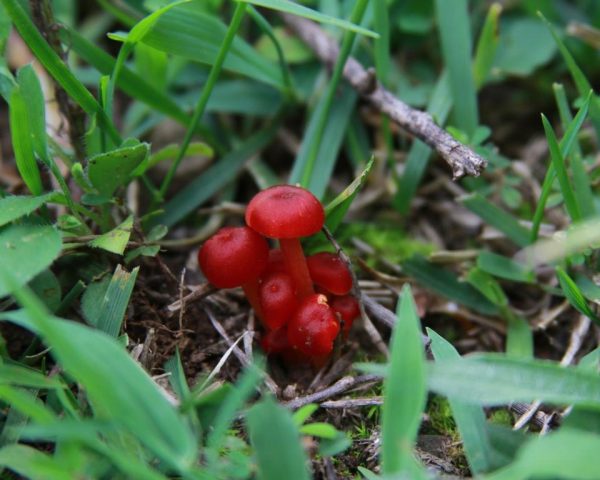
x: 295, y: 263
x: 251, y: 290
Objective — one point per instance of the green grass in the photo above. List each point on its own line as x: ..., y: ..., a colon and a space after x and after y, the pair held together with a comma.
x: 189, y: 108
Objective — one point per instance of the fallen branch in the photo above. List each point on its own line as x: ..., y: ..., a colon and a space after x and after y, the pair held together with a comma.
x: 462, y: 160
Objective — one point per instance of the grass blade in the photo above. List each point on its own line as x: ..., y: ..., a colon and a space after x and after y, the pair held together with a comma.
x: 213, y: 179
x: 109, y: 310
x: 445, y: 283
x: 404, y: 391
x: 503, y: 267
x: 276, y: 442
x: 558, y: 162
x: 26, y: 250
x: 322, y: 113
x: 236, y: 20
x: 116, y: 386
x: 455, y: 32
x: 470, y: 419
x: 22, y: 142
x: 302, y: 11
x: 494, y: 379
x: 497, y: 218
x: 487, y: 45
x: 54, y: 65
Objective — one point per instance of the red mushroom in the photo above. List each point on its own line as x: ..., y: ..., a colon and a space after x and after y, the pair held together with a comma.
x: 277, y: 299
x: 275, y: 342
x: 328, y: 271
x: 234, y: 257
x: 348, y: 309
x: 275, y: 263
x: 288, y: 213
x: 313, y: 328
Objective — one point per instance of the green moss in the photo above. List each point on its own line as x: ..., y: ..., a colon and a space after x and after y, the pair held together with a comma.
x: 502, y: 417
x: 440, y: 417
x: 388, y: 240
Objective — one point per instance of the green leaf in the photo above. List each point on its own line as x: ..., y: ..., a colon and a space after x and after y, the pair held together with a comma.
x: 15, y: 207
x: 493, y: 379
x: 116, y: 386
x: 488, y: 286
x: 295, y: 50
x: 503, y: 267
x: 276, y: 442
x: 27, y: 377
x: 47, y: 287
x: 177, y: 376
x: 511, y: 57
x: 574, y: 295
x: 455, y: 35
x: 31, y: 89
x: 487, y: 45
x: 302, y: 11
x: 565, y: 454
x: 130, y: 82
x: 582, y: 83
x: 35, y: 464
x: 445, y: 283
x: 470, y: 419
x: 55, y: 66
x: 334, y: 131
x: 193, y: 34
x: 337, y: 208
x: 22, y: 142
x: 26, y: 250
x: 404, y: 391
x: 108, y: 171
x: 105, y: 304
x: 558, y: 162
x: 213, y: 179
x: 116, y: 240
x: 303, y: 413
x: 320, y: 430
x: 497, y: 218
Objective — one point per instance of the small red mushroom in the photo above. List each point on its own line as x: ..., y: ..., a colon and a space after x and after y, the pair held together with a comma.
x: 288, y: 213
x: 277, y: 299
x: 275, y: 342
x: 348, y: 309
x: 328, y: 271
x: 313, y: 327
x: 275, y: 263
x: 234, y: 257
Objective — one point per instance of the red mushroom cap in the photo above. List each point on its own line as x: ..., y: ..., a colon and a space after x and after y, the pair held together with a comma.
x: 277, y: 299
x: 285, y: 211
x: 328, y: 271
x: 348, y: 309
x: 313, y: 328
x: 233, y: 256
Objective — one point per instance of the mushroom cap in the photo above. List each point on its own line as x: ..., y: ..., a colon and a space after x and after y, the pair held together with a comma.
x: 277, y: 299
x: 313, y: 327
x: 233, y: 256
x: 328, y: 271
x: 285, y: 211
x: 348, y: 309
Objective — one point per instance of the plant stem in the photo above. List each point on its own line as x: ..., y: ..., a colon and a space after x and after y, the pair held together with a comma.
x: 236, y: 20
x: 347, y: 42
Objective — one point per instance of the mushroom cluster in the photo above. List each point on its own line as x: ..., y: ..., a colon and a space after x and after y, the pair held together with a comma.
x: 302, y: 302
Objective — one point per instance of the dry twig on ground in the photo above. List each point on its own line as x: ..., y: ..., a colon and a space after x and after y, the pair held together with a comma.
x: 462, y: 160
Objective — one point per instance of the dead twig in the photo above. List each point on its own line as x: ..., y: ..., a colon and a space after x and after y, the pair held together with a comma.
x: 341, y: 386
x: 373, y: 333
x: 461, y: 159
